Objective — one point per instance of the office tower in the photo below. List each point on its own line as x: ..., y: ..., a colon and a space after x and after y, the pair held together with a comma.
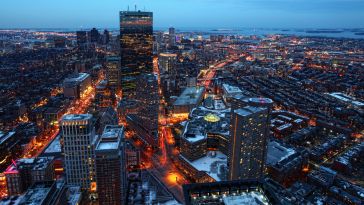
x: 145, y: 121
x: 94, y: 35
x: 136, y: 47
x: 106, y: 36
x: 167, y: 63
x: 81, y: 37
x: 78, y: 134
x: 113, y: 72
x: 248, y: 142
x: 110, y: 166
x: 172, y: 36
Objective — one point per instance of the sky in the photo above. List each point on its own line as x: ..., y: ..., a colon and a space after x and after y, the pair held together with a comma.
x: 185, y: 13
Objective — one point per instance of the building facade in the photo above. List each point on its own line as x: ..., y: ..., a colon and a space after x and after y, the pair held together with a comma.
x: 136, y: 47
x: 248, y: 143
x: 110, y: 166
x: 113, y: 72
x: 78, y: 134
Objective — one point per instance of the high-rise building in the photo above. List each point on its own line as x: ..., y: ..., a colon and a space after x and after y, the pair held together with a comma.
x: 81, y: 37
x: 136, y: 47
x: 145, y: 121
x: 110, y: 166
x: 78, y: 134
x: 167, y: 63
x: 106, y: 36
x: 248, y: 142
x: 113, y: 72
x: 138, y: 83
x: 94, y: 35
x: 172, y: 36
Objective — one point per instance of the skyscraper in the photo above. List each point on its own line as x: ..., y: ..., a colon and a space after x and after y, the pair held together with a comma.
x: 78, y: 134
x: 248, y: 143
x: 172, y: 36
x: 113, y: 72
x: 136, y: 47
x: 81, y: 37
x: 137, y: 80
x: 94, y: 35
x: 106, y: 37
x: 167, y: 63
x: 110, y: 166
x: 145, y: 121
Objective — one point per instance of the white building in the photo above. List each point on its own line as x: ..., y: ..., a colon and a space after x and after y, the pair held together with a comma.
x: 78, y: 134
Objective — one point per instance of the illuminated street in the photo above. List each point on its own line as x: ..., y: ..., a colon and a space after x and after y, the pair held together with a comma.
x: 178, y: 102
x: 35, y: 149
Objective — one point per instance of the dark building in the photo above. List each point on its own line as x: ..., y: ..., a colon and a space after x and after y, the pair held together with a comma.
x: 172, y: 36
x: 46, y: 193
x: 106, y: 36
x: 94, y: 35
x: 113, y: 72
x: 110, y: 166
x: 59, y: 42
x: 248, y: 143
x: 136, y: 47
x: 24, y: 172
x: 81, y: 37
x: 9, y: 148
x: 145, y: 121
x: 105, y: 97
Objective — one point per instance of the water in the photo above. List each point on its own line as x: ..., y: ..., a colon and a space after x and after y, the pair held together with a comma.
x: 335, y: 33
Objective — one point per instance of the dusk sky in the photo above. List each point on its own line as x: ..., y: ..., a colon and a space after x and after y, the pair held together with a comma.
x: 185, y: 13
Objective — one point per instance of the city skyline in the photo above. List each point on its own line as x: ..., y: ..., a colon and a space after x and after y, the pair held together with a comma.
x: 187, y: 14
x: 182, y: 103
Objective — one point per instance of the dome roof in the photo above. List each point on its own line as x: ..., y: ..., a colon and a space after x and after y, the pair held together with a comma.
x: 212, y: 118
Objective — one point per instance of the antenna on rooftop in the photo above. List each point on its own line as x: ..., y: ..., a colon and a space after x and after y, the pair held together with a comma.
x: 135, y: 7
x: 128, y: 7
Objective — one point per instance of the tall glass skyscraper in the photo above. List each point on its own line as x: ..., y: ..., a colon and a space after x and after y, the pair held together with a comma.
x: 136, y: 47
x: 137, y: 80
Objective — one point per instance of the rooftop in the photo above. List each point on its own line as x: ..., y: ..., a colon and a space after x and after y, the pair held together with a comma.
x: 110, y: 138
x: 54, y: 146
x: 229, y: 193
x: 74, y: 117
x: 190, y: 96
x: 231, y: 89
x: 211, y: 164
x: 77, y: 78
x: 211, y: 118
x: 196, y: 128
x: 251, y: 198
x: 246, y: 111
x: 277, y: 152
x: 261, y: 100
x: 37, y: 194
